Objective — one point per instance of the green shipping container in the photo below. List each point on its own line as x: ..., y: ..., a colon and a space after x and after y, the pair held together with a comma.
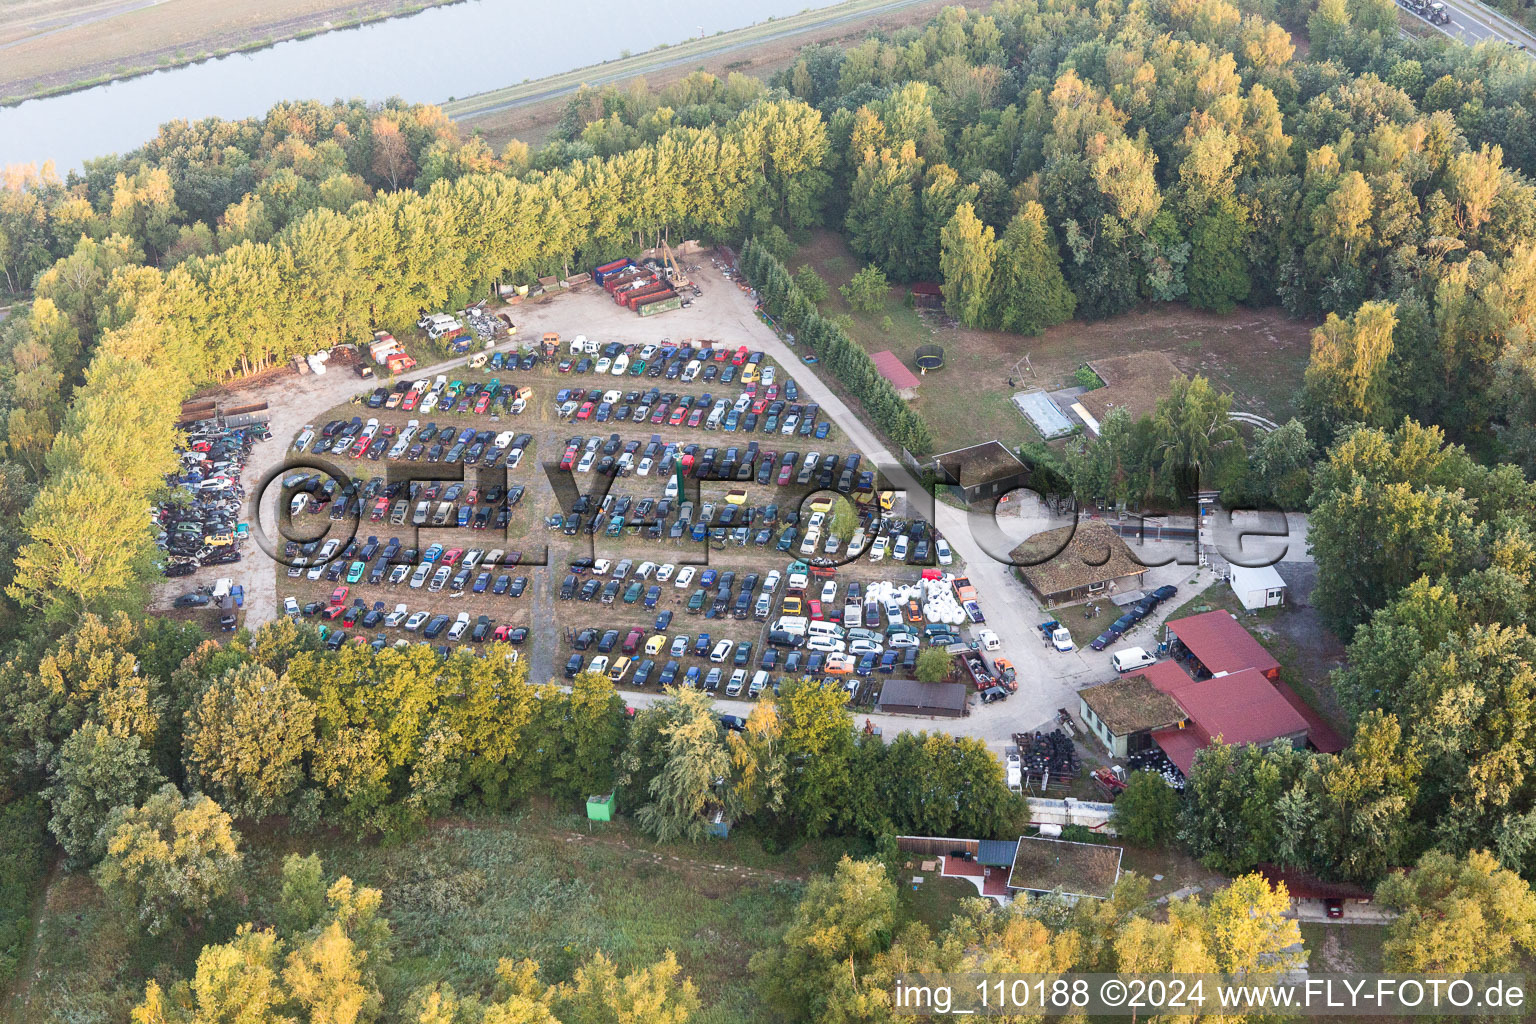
x: 600, y: 808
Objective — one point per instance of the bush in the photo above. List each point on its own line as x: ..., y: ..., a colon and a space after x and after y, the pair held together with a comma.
x: 868, y: 290
x: 811, y: 284
x: 1147, y: 813
x: 1086, y: 378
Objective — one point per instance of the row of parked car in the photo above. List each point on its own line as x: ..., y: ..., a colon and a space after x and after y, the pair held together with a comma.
x: 374, y: 441
x: 342, y: 616
x: 1131, y: 616
x: 435, y: 568
x: 420, y: 503
x: 671, y: 362
x: 747, y: 413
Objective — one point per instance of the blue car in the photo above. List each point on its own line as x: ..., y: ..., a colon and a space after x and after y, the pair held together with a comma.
x: 866, y: 664
x: 888, y: 661
x: 668, y: 673
x: 652, y: 596
x: 465, y: 512
x: 481, y: 582
x: 663, y: 620
x: 822, y: 428
x: 700, y: 531
x: 691, y: 678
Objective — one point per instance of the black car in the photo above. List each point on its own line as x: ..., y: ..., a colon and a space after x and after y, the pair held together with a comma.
x: 572, y: 666
x: 1163, y: 593
x: 192, y: 600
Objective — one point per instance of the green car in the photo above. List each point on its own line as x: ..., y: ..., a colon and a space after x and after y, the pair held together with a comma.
x: 696, y: 602
x: 637, y: 367
x: 633, y: 593
x: 355, y: 571
x: 492, y: 386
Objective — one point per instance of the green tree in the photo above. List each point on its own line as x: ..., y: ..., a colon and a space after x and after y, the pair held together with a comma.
x: 1279, y: 465
x: 933, y: 665
x: 302, y: 902
x: 811, y: 285
x: 694, y: 758
x: 1457, y: 915
x: 867, y: 291
x: 1028, y: 291
x: 246, y: 737
x: 841, y: 919
x: 1347, y: 376
x: 967, y: 251
x: 169, y: 861
x: 95, y: 771
x: 1218, y: 263
x: 818, y: 738
x: 1193, y: 437
x: 1147, y: 813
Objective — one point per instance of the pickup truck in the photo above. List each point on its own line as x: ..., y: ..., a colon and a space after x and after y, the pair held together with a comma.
x: 1058, y: 636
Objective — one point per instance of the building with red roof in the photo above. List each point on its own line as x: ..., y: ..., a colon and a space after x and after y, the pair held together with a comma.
x: 1219, y: 643
x: 1232, y: 695
x: 894, y: 370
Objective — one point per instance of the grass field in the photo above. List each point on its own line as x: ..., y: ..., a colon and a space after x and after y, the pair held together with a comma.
x: 1258, y: 355
x: 461, y: 897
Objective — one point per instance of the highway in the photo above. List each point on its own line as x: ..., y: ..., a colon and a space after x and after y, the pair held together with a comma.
x: 1473, y: 23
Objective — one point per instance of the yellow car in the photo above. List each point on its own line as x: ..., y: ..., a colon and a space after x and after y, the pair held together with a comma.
x: 654, y: 645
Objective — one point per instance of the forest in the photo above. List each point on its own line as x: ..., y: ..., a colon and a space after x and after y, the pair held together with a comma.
x: 1041, y: 161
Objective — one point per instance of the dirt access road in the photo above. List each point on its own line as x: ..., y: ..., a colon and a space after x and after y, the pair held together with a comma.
x: 52, y: 45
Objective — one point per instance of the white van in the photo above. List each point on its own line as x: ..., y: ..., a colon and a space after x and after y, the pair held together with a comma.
x: 830, y: 629
x: 795, y: 624
x: 738, y: 681
x: 1130, y: 659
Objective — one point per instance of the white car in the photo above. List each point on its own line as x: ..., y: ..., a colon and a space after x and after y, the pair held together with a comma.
x: 899, y: 552
x: 494, y: 558
x: 722, y: 650
x: 612, y: 396
x: 419, y: 577
x: 1061, y: 639
x: 877, y: 549
x: 644, y: 469
x: 290, y: 607
x: 440, y: 578
x: 738, y: 680
x: 901, y: 640
x: 460, y: 627
x: 302, y: 441
x: 585, y: 465
x: 989, y: 640
x: 644, y: 569
x: 684, y: 577
x: 828, y: 591
x: 472, y: 559
x: 862, y: 646
x: 399, y: 573
x: 602, y: 365
x: 415, y: 622
x: 514, y: 457
x: 665, y: 571
x: 771, y: 583
x: 598, y: 664
x: 825, y: 644
x: 601, y: 567
x: 941, y: 548
x: 397, y: 616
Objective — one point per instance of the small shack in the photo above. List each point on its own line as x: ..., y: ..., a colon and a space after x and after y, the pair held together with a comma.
x: 910, y: 697
x: 982, y: 471
x: 894, y: 370
x: 1073, y: 563
x: 1042, y: 865
x: 600, y: 808
x: 1258, y: 587
x: 927, y: 295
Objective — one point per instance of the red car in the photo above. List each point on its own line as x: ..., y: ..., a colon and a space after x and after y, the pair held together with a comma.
x: 585, y: 412
x: 720, y: 355
x: 678, y: 416
x: 473, y: 496
x: 483, y: 402
x: 452, y: 555
x: 696, y: 417
x: 412, y: 399
x: 660, y: 415
x: 740, y: 356
x: 334, y: 612
x: 632, y: 641
x: 565, y: 367
x: 815, y: 607
x: 758, y: 406
x: 339, y: 595
x: 569, y: 458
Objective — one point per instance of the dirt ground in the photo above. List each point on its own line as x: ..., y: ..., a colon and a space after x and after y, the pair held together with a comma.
x: 49, y: 45
x: 1258, y: 355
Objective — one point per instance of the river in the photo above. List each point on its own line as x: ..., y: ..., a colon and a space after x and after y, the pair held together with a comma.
x: 429, y: 57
